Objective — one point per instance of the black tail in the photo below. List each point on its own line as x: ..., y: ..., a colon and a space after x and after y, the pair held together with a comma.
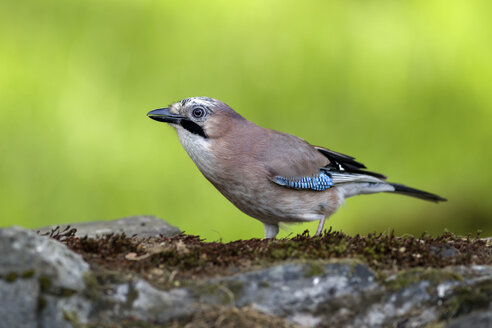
x: 404, y: 190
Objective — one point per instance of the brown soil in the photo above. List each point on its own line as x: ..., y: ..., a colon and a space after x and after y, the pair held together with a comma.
x: 168, y: 262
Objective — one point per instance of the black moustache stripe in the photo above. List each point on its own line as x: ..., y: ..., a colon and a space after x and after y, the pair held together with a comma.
x: 193, y: 128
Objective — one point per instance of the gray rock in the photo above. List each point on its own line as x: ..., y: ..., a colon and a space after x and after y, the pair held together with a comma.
x: 19, y: 303
x: 296, y: 291
x: 148, y: 302
x: 39, y: 280
x: 142, y: 225
x: 44, y: 284
x: 120, y: 297
x: 348, y: 294
x: 393, y: 307
x: 474, y: 319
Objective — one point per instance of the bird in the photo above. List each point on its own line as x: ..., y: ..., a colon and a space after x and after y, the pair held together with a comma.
x: 270, y: 175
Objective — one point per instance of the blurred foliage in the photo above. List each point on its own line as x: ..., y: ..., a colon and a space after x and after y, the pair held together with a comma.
x: 405, y: 86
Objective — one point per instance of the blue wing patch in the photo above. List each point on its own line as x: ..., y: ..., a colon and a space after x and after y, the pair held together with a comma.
x: 319, y: 183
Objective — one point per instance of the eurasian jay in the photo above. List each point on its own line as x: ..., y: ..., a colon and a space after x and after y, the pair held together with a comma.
x: 270, y: 175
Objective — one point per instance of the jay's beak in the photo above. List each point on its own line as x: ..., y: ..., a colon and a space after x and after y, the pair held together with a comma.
x: 164, y: 115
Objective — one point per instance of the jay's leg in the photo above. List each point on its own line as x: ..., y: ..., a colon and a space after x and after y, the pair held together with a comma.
x: 271, y: 230
x: 321, y: 224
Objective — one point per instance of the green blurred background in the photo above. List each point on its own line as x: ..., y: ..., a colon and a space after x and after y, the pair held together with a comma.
x: 404, y: 86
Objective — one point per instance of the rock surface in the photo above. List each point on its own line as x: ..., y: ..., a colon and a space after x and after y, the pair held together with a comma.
x: 142, y: 225
x: 45, y: 284
x: 38, y: 278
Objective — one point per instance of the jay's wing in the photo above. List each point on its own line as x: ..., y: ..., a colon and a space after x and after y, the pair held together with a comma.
x: 294, y: 163
x: 291, y: 157
x: 346, y: 163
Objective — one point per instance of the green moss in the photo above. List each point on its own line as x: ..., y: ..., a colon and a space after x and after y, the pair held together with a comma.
x: 28, y: 274
x: 229, y: 317
x: 408, y: 277
x: 313, y: 269
x: 465, y: 299
x: 131, y: 296
x: 222, y: 292
x: 215, y: 291
x: 181, y: 260
x: 44, y: 283
x: 351, y: 305
x: 92, y: 286
x: 96, y: 281
x: 11, y: 277
x: 435, y: 325
x: 41, y: 303
x: 71, y: 317
x: 65, y: 292
x: 339, y: 248
x: 281, y: 253
x: 236, y: 287
x: 135, y: 324
x: 205, y: 289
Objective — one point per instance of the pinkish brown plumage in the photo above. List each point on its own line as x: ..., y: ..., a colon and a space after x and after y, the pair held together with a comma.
x: 269, y: 175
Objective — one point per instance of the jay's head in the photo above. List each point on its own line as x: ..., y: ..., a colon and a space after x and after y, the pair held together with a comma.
x: 198, y: 117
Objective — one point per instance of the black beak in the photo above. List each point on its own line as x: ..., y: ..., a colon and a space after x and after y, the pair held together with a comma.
x: 164, y: 115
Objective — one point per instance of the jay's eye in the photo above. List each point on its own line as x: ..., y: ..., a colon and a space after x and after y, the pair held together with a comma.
x: 198, y: 112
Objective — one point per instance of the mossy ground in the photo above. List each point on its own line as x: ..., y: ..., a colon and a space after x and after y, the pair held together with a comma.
x: 185, y: 260
x: 168, y: 262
